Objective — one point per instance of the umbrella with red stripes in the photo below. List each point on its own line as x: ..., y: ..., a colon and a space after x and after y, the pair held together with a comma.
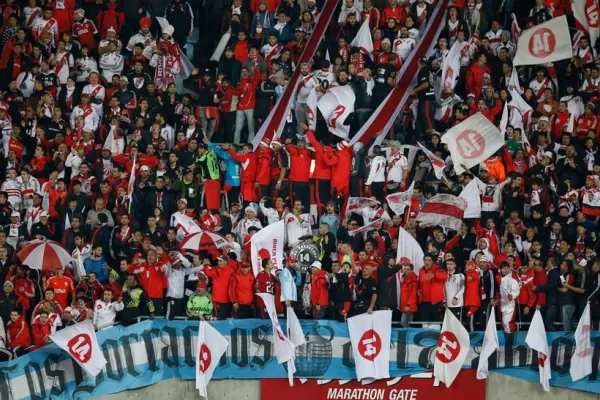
x: 203, y: 240
x: 44, y: 255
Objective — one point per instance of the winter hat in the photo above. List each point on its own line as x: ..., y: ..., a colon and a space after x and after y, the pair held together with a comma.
x: 145, y: 22
x: 168, y: 30
x: 316, y: 264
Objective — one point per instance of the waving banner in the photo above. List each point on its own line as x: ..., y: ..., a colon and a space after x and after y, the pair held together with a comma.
x: 152, y: 351
x: 587, y: 17
x: 335, y: 106
x: 271, y: 238
x: 544, y: 43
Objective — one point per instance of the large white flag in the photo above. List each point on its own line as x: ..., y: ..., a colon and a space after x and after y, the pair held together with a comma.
x: 513, y: 82
x: 363, y: 39
x: 409, y: 248
x: 370, y: 335
x: 451, y: 67
x: 472, y: 141
x: 586, y: 14
x: 335, y: 106
x: 271, y: 238
x: 471, y: 195
x: 520, y: 111
x: 284, y: 348
x: 504, y: 119
x: 536, y: 340
x: 184, y: 224
x: 489, y: 346
x: 452, y: 349
x: 296, y: 336
x: 547, y: 42
x: 581, y: 361
x: 210, y: 348
x: 399, y: 201
x: 80, y: 342
x: 437, y: 163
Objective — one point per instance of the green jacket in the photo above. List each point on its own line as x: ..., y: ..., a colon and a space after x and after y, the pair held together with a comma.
x: 202, y: 304
x: 209, y: 166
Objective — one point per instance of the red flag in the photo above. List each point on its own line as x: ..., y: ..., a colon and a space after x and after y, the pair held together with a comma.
x: 444, y: 210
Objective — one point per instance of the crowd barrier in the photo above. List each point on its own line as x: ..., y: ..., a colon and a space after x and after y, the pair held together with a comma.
x: 153, y: 351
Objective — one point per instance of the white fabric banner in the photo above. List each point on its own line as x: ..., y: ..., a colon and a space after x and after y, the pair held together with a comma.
x: 437, y: 163
x: 284, y: 348
x: 586, y: 13
x: 581, y: 361
x: 408, y: 247
x: 472, y: 141
x: 547, y: 42
x: 399, y: 201
x: 471, y: 195
x: 451, y: 67
x: 363, y: 39
x: 453, y: 347
x: 80, y: 342
x: 489, y: 346
x: 335, y: 106
x: 210, y: 348
x: 311, y: 109
x: 370, y: 335
x: 536, y: 340
x: 271, y: 238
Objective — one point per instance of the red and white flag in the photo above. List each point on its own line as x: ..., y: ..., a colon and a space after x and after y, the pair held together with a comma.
x: 272, y: 238
x: 370, y: 335
x: 356, y: 204
x: 131, y: 184
x: 536, y: 340
x: 591, y: 202
x: 184, y: 224
x: 472, y: 141
x: 471, y: 195
x: 513, y: 82
x: 437, y: 163
x: 515, y: 29
x: 489, y: 346
x: 209, y: 350
x: 296, y: 336
x: 363, y: 39
x: 335, y: 106
x: 547, y: 42
x: 451, y: 68
x: 452, y: 349
x: 80, y: 342
x: 520, y: 114
x: 399, y: 201
x: 586, y: 13
x: 443, y: 210
x: 581, y: 361
x: 284, y: 348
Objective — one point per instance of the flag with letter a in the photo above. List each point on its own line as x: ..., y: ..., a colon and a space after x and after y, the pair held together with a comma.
x: 80, y: 342
x: 452, y: 349
x: 211, y: 347
x: 370, y: 335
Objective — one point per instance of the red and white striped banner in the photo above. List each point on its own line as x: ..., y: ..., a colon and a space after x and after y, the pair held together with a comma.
x: 384, y: 116
x: 274, y: 123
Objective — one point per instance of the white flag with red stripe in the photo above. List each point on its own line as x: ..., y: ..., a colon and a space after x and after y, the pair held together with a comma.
x: 547, y: 42
x: 536, y: 340
x: 443, y: 210
x: 472, y: 141
x: 184, y: 224
x: 399, y: 201
x: 363, y: 39
x: 80, y: 342
x: 451, y: 67
x: 335, y: 106
x: 586, y: 13
x: 437, y: 163
x: 515, y: 29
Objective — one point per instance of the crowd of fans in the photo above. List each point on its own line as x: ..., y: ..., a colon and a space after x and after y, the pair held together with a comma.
x: 88, y: 101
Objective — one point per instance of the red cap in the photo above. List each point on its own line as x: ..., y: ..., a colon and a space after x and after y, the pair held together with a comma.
x: 290, y: 259
x: 264, y: 254
x: 145, y: 22
x: 405, y: 260
x: 201, y: 284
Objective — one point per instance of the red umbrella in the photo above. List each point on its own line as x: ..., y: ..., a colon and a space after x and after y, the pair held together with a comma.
x: 203, y: 240
x: 44, y: 255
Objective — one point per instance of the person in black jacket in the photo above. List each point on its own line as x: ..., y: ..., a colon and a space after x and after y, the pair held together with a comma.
x: 489, y: 289
x: 159, y: 196
x: 551, y: 290
x: 101, y: 235
x: 179, y: 14
x: 339, y: 290
x: 9, y: 301
x: 387, y: 293
x: 366, y: 291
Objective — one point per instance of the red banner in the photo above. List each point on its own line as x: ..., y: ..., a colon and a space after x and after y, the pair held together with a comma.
x: 274, y: 123
x: 466, y: 386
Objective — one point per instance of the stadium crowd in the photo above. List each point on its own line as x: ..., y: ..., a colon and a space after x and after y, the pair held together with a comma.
x: 92, y: 94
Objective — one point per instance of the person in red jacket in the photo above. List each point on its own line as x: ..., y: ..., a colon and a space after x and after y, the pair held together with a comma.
x: 319, y: 290
x: 63, y: 13
x: 241, y: 292
x: 151, y: 275
x: 265, y: 282
x: 472, y: 291
x: 475, y: 73
x: 249, y: 170
x: 540, y: 279
x: 263, y: 169
x: 396, y: 11
x: 527, y: 297
x: 17, y: 333
x: 221, y: 279
x: 300, y: 160
x: 341, y: 164
x: 246, y: 92
x: 321, y: 177
x: 110, y: 17
x: 24, y: 287
x: 431, y: 290
x: 408, y: 294
x: 41, y: 330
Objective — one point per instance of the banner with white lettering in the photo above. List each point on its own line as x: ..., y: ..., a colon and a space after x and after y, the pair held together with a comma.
x: 547, y: 42
x: 152, y: 351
